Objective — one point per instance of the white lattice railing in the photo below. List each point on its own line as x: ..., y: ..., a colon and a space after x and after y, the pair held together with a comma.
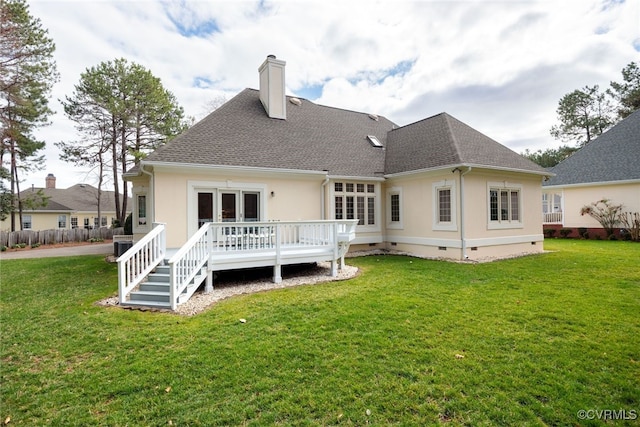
x: 245, y: 236
x: 189, y: 261
x: 140, y: 260
x: 552, y: 218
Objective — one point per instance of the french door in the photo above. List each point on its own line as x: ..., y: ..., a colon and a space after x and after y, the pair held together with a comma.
x: 228, y: 206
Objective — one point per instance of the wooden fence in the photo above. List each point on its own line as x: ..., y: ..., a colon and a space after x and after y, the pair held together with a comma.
x: 50, y: 237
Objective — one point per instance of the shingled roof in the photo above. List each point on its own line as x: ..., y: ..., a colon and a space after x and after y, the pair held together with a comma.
x: 78, y: 198
x: 613, y: 156
x: 319, y: 138
x: 443, y: 140
x: 312, y: 138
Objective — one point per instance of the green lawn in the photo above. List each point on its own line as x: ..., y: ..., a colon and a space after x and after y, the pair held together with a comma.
x: 528, y: 341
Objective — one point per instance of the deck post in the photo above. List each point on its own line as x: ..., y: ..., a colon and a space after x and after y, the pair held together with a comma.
x: 208, y: 287
x: 277, y: 267
x: 277, y: 273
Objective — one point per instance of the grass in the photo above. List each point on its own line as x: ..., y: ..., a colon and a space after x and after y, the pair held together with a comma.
x: 528, y: 341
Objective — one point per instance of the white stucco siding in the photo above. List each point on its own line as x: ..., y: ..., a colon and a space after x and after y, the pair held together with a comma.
x: 575, y: 197
x: 281, y: 198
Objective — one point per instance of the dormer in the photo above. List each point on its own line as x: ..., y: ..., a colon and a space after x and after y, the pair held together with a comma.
x: 272, y: 91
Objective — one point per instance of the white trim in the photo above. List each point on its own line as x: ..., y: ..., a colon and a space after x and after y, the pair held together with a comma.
x: 365, y: 228
x: 363, y: 240
x: 232, y: 169
x: 424, y: 241
x: 354, y: 178
x: 193, y: 187
x: 505, y: 224
x: 456, y: 243
x: 137, y: 228
x: 397, y: 225
x: 508, y: 240
x: 591, y: 184
x: 444, y: 226
x: 466, y: 165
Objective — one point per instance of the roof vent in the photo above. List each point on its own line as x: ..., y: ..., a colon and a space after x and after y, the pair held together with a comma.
x: 373, y: 117
x: 295, y: 101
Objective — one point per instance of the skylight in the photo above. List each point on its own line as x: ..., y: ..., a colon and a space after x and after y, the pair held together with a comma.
x: 374, y: 141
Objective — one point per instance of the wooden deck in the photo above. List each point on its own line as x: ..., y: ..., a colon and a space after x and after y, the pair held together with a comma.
x: 232, y: 246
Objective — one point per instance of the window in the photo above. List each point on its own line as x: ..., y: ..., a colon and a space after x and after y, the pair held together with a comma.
x: 504, y: 206
x: 74, y: 222
x: 62, y: 221
x: 444, y: 205
x: 96, y: 222
x: 355, y: 201
x: 394, y: 208
x: 142, y: 209
x: 86, y: 223
x: 103, y: 223
x: 26, y: 222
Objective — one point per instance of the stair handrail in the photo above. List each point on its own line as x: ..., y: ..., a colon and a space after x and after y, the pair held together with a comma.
x: 188, y: 261
x: 140, y: 260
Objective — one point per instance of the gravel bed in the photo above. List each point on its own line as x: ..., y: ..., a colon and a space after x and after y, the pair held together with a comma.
x: 200, y: 301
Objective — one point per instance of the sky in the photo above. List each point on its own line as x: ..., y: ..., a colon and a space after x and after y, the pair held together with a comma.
x: 499, y: 66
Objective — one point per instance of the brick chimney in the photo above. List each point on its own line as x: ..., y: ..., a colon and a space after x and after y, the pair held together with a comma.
x: 272, y: 89
x: 51, y: 181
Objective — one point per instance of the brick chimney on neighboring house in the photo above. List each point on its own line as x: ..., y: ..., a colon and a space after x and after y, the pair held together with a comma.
x: 272, y: 87
x: 51, y: 181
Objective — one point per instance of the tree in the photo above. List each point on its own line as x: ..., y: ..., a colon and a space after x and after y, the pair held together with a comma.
x: 123, y: 112
x: 583, y: 115
x: 27, y: 73
x: 627, y: 93
x: 551, y: 156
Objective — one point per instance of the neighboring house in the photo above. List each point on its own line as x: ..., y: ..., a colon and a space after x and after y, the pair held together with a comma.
x: 606, y: 168
x: 434, y: 188
x: 73, y: 207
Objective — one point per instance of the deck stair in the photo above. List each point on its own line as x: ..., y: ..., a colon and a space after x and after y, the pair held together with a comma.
x: 154, y: 291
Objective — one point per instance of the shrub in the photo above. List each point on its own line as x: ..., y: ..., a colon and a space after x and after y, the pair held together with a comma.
x: 631, y: 222
x: 96, y: 240
x: 564, y: 232
x: 35, y: 245
x: 550, y: 232
x: 128, y: 225
x: 19, y: 246
x: 582, y: 232
x: 3, y: 248
x: 606, y: 213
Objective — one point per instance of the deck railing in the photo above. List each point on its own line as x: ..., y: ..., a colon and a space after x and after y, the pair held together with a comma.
x: 552, y: 218
x: 140, y: 260
x: 188, y: 264
x: 189, y: 261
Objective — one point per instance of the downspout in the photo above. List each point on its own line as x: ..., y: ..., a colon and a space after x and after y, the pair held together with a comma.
x: 462, y: 225
x: 322, y: 197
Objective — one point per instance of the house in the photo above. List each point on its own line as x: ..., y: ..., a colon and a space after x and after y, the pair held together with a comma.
x: 605, y: 168
x: 434, y: 188
x: 65, y: 208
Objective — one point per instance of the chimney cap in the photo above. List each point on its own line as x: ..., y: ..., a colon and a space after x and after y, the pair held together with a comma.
x: 272, y: 56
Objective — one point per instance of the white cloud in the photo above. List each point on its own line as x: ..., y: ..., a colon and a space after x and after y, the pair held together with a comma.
x: 500, y: 66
